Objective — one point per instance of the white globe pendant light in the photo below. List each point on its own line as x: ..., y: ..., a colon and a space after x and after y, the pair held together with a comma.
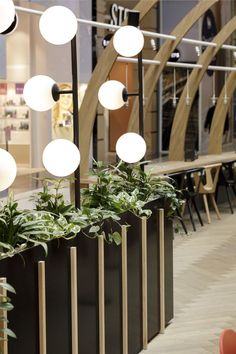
x: 38, y: 93
x: 61, y: 157
x: 58, y: 25
x: 7, y: 14
x: 128, y: 41
x: 111, y: 94
x: 7, y: 169
x: 131, y: 147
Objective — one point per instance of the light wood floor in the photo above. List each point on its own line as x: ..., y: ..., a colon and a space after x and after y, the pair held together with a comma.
x: 205, y: 289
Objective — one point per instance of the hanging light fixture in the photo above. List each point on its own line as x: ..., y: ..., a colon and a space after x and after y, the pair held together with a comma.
x: 7, y: 169
x: 225, y: 90
x: 61, y: 157
x: 174, y: 98
x: 131, y: 147
x: 213, y: 98
x: 58, y: 25
x: 8, y: 18
x: 188, y: 98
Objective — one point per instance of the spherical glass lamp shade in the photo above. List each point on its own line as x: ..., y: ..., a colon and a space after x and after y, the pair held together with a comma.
x: 131, y: 147
x: 61, y: 157
x: 7, y: 14
x: 128, y: 41
x: 110, y: 94
x: 7, y: 169
x: 58, y: 25
x: 38, y: 93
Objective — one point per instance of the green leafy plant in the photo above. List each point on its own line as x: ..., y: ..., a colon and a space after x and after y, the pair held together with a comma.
x: 5, y: 306
x: 118, y: 189
x: 52, y: 200
x: 23, y: 229
x: 127, y: 187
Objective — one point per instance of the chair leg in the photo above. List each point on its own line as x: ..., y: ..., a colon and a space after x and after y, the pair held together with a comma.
x: 197, y: 211
x: 181, y: 221
x: 191, y: 215
x: 229, y: 201
x: 206, y: 208
x: 215, y: 206
x: 234, y: 190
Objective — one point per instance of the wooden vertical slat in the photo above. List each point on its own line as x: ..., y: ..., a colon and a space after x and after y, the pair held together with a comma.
x: 74, y: 302
x: 101, y: 294
x: 144, y: 282
x: 162, y: 270
x: 3, y: 324
x: 124, y: 289
x: 42, y: 308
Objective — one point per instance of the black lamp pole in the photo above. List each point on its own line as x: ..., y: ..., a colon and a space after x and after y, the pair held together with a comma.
x: 140, y: 96
x: 133, y: 20
x: 56, y: 92
x: 75, y: 115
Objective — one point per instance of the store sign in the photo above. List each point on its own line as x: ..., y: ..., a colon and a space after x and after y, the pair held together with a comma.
x: 118, y: 14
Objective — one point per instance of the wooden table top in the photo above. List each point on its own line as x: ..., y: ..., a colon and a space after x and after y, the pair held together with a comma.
x: 166, y: 167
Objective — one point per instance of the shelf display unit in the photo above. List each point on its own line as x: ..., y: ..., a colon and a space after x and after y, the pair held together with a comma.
x: 14, y: 122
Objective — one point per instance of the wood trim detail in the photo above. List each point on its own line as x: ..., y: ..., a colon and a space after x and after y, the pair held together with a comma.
x: 162, y: 270
x: 3, y: 325
x: 42, y: 308
x: 154, y: 72
x: 144, y: 282
x: 179, y: 127
x: 219, y: 117
x: 124, y: 289
x: 74, y: 301
x: 90, y: 101
x: 101, y: 295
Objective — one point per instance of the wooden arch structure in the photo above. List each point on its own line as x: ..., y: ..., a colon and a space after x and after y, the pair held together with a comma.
x: 90, y: 101
x: 154, y: 72
x: 219, y: 117
x: 178, y: 132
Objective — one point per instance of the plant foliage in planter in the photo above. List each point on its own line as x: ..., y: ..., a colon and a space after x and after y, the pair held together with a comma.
x: 118, y: 189
x: 5, y: 305
x: 127, y: 187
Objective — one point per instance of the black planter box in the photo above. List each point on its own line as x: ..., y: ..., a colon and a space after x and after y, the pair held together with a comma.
x: 23, y: 320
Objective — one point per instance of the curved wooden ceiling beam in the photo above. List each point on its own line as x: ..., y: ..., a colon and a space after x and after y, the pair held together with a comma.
x: 178, y: 131
x: 154, y: 72
x: 90, y: 101
x: 219, y: 117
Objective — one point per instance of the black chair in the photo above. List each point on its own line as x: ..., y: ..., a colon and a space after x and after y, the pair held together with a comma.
x: 186, y: 183
x: 227, y: 180
x: 176, y: 179
x: 190, y: 192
